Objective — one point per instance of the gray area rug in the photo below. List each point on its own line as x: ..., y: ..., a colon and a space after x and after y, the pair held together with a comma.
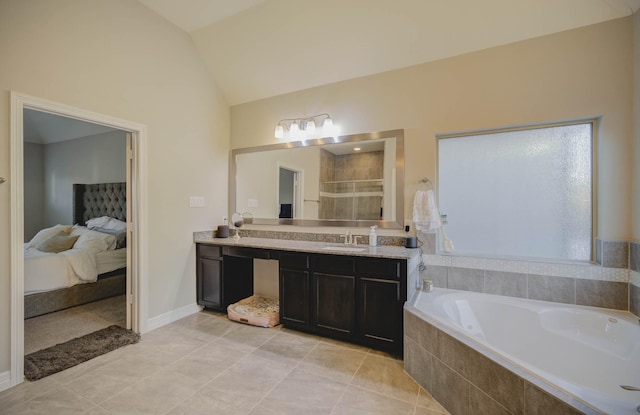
x: 68, y: 354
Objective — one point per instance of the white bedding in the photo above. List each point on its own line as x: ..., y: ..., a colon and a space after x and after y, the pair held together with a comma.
x: 45, y: 271
x: 108, y: 261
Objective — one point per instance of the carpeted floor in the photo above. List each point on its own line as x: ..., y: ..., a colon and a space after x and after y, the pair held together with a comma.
x: 51, y: 329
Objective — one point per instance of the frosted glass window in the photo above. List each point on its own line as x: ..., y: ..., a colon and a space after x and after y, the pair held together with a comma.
x: 524, y: 193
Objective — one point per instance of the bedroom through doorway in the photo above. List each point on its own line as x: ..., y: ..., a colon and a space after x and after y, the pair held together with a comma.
x: 89, y: 226
x: 75, y: 180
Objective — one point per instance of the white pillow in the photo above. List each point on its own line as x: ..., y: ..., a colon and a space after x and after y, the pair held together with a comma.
x: 47, y: 233
x: 57, y: 243
x: 116, y: 225
x: 93, y: 240
x: 100, y: 222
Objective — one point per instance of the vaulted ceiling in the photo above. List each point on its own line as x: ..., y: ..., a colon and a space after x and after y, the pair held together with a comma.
x: 261, y: 48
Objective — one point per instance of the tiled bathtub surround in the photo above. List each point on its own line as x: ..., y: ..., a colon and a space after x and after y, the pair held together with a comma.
x: 612, y: 254
x: 634, y: 278
x: 590, y: 285
x: 466, y: 381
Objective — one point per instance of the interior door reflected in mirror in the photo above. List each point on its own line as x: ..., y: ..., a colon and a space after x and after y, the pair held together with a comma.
x: 354, y: 180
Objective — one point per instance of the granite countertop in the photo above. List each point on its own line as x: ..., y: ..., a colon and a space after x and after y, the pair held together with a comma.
x: 398, y: 252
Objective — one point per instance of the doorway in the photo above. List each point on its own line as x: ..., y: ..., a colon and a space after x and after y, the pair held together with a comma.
x: 68, y: 161
x: 135, y: 296
x: 289, y: 193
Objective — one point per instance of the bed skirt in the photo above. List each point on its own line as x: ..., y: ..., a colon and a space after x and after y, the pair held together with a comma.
x: 108, y: 285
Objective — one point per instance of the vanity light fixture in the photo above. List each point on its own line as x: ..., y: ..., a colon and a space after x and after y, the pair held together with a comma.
x: 300, y: 128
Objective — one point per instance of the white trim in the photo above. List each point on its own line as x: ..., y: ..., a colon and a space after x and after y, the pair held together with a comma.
x: 5, y: 380
x: 139, y: 244
x: 173, y: 315
x: 17, y: 238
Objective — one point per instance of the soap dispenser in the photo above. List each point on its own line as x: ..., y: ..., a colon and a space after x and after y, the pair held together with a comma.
x: 373, y: 238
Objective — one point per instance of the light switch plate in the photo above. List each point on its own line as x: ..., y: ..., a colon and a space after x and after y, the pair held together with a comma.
x: 196, y: 201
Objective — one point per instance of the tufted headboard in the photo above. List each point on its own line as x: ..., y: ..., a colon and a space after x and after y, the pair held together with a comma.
x: 101, y: 199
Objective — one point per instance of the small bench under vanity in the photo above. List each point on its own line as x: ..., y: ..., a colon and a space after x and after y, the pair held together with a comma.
x: 354, y: 294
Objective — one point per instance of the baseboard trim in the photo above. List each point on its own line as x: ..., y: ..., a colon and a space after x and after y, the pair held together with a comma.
x: 173, y: 315
x: 5, y: 380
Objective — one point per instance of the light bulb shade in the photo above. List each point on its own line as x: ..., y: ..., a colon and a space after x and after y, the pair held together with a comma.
x: 294, y: 129
x: 328, y: 123
x: 311, y: 127
x: 279, y: 131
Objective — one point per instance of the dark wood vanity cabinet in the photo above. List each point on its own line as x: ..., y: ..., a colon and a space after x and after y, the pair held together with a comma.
x: 352, y: 298
x: 356, y: 299
x: 209, y: 276
x: 221, y: 279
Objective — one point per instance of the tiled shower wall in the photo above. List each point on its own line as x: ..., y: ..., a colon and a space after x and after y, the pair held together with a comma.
x: 614, y: 282
x: 346, y: 168
x: 634, y: 278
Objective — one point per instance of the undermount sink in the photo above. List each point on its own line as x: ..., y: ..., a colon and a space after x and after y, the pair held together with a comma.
x: 343, y: 248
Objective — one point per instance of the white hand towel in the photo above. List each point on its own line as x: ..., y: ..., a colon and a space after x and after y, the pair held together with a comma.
x: 426, y: 216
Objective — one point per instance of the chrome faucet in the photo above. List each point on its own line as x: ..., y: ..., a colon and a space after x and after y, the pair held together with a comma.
x: 634, y: 389
x: 350, y: 239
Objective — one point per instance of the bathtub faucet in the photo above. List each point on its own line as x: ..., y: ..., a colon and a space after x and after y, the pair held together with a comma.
x: 634, y: 389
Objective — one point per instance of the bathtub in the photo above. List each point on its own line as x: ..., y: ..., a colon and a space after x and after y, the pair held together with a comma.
x: 578, y: 355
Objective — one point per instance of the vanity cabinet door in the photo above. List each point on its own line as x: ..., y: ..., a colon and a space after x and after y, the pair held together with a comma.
x: 294, y: 289
x: 334, y: 304
x: 294, y: 297
x: 380, y: 302
x: 333, y: 295
x: 209, y: 282
x: 379, y: 316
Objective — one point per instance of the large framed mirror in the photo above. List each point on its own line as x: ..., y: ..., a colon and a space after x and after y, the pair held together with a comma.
x: 351, y: 180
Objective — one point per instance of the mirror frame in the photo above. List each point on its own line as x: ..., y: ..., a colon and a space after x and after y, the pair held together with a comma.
x: 352, y: 138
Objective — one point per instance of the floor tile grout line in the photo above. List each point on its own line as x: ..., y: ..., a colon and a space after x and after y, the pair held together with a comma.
x: 219, y: 374
x: 296, y: 366
x: 225, y: 370
x: 273, y: 388
x: 142, y: 379
x: 350, y: 381
x: 382, y: 393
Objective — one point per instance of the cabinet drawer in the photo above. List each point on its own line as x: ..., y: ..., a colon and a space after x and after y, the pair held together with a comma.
x: 333, y: 264
x: 239, y: 251
x: 292, y: 260
x: 380, y: 268
x: 208, y: 251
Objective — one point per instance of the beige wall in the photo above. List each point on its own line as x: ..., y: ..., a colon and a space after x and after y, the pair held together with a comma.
x: 117, y: 58
x: 578, y: 73
x: 636, y: 126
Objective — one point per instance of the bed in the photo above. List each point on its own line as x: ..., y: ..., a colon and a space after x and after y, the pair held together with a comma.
x: 93, y: 268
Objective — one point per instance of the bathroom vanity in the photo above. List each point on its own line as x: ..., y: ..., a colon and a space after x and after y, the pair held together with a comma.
x: 355, y: 294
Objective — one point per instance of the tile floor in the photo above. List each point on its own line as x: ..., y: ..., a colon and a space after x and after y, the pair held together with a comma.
x: 206, y: 364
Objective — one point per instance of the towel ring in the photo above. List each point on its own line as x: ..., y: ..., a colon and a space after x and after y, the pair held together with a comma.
x: 426, y: 181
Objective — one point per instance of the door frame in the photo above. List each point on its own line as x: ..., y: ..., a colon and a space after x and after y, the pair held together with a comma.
x: 139, y: 261
x: 298, y: 189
